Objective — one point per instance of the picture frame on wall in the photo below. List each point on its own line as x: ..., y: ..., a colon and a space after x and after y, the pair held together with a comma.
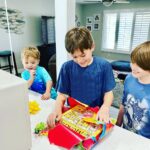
x: 96, y: 26
x: 89, y: 27
x: 96, y: 17
x: 78, y: 24
x: 89, y: 20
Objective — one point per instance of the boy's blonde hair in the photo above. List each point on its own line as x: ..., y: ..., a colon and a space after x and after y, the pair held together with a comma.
x: 141, y: 56
x: 30, y: 52
x: 78, y: 38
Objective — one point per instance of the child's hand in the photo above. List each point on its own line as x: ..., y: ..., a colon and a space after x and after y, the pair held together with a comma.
x: 46, y: 96
x: 53, y: 118
x: 32, y: 73
x: 103, y: 114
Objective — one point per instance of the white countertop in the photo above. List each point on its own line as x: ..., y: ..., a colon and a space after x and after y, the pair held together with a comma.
x: 40, y: 143
x: 117, y: 139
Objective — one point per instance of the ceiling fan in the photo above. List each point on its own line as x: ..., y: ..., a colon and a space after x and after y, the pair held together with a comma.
x: 107, y: 2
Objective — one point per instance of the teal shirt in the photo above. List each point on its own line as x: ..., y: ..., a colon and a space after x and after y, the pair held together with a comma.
x: 40, y: 80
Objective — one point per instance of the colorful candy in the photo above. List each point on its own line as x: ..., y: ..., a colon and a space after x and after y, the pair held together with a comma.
x: 34, y: 107
x: 41, y: 129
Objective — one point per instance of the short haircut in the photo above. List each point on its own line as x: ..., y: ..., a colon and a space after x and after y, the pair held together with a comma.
x: 141, y: 56
x: 78, y: 38
x: 30, y: 52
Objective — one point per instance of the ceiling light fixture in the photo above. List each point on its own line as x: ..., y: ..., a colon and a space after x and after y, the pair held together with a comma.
x: 107, y: 3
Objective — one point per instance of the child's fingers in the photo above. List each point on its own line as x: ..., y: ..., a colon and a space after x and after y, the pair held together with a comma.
x: 43, y: 97
x: 51, y: 120
x: 58, y: 118
x: 103, y: 117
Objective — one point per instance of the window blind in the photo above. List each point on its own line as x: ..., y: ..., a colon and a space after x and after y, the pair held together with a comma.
x: 109, y: 29
x: 123, y: 31
x: 141, y: 28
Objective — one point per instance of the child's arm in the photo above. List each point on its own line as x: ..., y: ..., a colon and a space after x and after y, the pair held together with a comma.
x: 47, y: 95
x: 56, y: 114
x: 103, y: 114
x: 32, y: 75
x: 120, y: 116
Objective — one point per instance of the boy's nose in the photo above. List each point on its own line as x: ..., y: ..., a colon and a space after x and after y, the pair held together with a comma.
x: 79, y: 60
x: 30, y: 65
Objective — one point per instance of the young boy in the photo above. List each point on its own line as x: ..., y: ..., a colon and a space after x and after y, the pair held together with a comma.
x: 86, y: 78
x: 38, y: 78
x: 135, y: 109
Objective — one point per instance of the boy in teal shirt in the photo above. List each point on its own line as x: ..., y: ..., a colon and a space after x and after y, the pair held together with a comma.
x: 38, y: 78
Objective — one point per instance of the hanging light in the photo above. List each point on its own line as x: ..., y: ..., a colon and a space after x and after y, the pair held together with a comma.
x: 107, y: 3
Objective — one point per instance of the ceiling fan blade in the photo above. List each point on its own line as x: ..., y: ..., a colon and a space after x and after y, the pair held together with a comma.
x: 103, y: 1
x: 121, y: 1
x: 94, y: 1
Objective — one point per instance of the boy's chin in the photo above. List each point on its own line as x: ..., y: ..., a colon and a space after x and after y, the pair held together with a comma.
x: 29, y: 69
x: 135, y: 75
x: 83, y: 66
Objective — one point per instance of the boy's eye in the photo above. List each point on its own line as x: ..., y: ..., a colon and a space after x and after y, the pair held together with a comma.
x: 79, y: 56
x: 75, y: 57
x: 83, y: 55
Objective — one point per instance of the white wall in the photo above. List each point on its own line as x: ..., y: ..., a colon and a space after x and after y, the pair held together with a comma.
x: 32, y: 10
x: 90, y: 9
x: 63, y: 9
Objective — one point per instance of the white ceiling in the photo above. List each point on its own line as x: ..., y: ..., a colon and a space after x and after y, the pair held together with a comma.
x: 82, y: 1
x: 94, y: 1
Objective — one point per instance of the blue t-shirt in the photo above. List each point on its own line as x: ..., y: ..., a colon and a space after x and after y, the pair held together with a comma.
x: 40, y: 80
x: 86, y: 84
x: 136, y: 101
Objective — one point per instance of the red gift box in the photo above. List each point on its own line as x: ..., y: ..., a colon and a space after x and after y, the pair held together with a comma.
x: 78, y: 127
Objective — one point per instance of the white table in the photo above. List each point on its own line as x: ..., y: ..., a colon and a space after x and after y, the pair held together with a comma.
x: 40, y: 143
x: 117, y: 139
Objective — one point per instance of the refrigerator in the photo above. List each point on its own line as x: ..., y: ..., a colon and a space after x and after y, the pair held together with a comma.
x: 14, y: 115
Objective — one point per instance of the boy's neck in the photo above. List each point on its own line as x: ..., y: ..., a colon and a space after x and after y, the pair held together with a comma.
x: 144, y: 80
x: 90, y: 61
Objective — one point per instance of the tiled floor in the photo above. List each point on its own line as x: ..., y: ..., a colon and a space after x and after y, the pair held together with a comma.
x: 114, y: 112
x: 118, y: 92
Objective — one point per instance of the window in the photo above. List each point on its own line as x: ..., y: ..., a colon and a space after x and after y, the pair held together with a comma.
x: 109, y: 30
x: 141, y: 28
x: 123, y: 30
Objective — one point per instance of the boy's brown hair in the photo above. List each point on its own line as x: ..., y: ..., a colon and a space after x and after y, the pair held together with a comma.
x: 30, y: 52
x: 141, y: 56
x: 78, y: 38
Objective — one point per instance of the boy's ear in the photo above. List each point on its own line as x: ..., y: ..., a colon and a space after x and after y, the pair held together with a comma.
x: 93, y: 47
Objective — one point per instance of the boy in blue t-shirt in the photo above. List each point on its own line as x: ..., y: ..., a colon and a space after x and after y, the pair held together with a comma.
x: 135, y: 109
x: 38, y: 78
x: 86, y: 78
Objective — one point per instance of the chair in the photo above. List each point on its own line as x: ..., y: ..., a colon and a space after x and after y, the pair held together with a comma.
x: 7, y: 54
x: 52, y: 68
x: 123, y: 67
